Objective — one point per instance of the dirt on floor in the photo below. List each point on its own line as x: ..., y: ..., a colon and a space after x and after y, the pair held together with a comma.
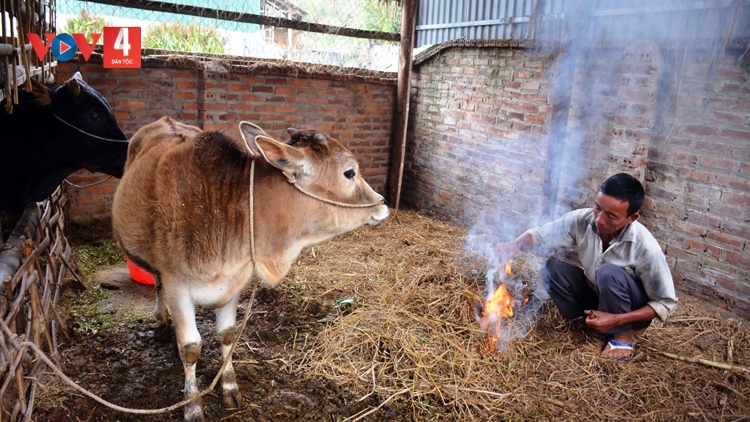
x: 377, y: 325
x: 124, y: 364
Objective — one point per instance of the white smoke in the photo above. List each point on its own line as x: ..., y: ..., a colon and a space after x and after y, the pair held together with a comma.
x: 528, y: 293
x: 590, y: 48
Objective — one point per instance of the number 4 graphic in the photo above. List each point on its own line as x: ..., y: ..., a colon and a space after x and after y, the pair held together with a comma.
x: 122, y: 47
x: 121, y: 43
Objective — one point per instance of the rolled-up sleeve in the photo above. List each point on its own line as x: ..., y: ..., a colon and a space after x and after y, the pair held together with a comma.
x: 654, y: 273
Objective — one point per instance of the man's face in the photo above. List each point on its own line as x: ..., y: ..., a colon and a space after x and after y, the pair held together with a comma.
x: 611, y: 215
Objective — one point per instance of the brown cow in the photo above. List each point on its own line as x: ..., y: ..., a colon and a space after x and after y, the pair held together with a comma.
x: 182, y: 211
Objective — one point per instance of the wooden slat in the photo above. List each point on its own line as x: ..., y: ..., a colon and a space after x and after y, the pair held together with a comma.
x: 159, y: 6
x: 29, y: 307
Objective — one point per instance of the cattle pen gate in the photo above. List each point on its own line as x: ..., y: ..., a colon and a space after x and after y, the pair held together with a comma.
x: 29, y: 300
x: 35, y: 255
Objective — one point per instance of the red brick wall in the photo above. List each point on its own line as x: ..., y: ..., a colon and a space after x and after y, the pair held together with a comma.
x: 476, y: 114
x: 512, y: 137
x: 699, y: 178
x: 355, y: 109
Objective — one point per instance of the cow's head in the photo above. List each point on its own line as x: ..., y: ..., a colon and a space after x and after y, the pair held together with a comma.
x: 85, y: 120
x: 322, y: 166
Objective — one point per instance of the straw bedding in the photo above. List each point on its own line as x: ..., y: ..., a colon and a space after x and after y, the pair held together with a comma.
x: 405, y: 332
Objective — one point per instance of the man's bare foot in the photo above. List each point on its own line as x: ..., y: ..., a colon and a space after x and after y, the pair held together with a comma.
x: 621, y: 346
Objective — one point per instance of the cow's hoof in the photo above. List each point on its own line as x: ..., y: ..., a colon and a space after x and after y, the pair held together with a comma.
x: 194, y: 413
x: 233, y: 399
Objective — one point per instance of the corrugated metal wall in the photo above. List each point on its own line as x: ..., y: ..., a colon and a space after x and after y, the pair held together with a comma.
x: 444, y: 20
x: 669, y: 20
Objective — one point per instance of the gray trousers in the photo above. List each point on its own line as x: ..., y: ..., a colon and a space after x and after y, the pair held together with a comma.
x: 617, y: 291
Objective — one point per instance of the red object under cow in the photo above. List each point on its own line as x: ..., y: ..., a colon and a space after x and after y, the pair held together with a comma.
x: 138, y: 274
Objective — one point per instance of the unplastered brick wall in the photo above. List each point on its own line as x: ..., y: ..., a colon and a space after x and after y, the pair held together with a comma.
x: 476, y: 117
x: 355, y: 108
x: 698, y: 176
x: 517, y: 137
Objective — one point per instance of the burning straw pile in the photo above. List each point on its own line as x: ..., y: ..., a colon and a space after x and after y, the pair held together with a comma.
x: 409, y: 335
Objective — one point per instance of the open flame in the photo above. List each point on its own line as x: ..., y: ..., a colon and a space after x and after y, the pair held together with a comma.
x: 498, y: 307
x: 501, y: 302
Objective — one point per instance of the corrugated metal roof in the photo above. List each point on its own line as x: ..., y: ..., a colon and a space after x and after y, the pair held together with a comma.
x: 444, y: 20
x: 439, y: 21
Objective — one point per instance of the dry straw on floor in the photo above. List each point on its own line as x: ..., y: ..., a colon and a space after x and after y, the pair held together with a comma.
x: 411, y: 336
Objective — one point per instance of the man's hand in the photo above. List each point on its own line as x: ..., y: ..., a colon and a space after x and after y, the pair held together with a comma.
x: 506, y: 251
x: 601, y: 321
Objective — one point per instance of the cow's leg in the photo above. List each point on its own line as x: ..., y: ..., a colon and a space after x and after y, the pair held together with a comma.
x: 163, y: 331
x: 227, y: 331
x: 189, y: 347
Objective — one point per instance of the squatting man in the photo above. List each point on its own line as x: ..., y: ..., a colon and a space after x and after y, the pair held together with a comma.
x: 625, y: 281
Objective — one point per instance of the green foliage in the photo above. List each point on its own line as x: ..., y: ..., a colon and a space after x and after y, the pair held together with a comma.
x: 374, y: 15
x: 86, y: 315
x: 381, y: 16
x: 95, y: 254
x: 190, y: 38
x: 86, y: 24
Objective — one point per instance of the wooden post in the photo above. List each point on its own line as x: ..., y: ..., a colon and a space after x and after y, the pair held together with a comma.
x: 408, y: 24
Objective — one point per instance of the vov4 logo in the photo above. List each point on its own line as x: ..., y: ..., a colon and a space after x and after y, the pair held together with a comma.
x: 122, y: 46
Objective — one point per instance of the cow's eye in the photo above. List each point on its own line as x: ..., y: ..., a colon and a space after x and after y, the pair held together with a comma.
x: 94, y: 116
x: 349, y: 174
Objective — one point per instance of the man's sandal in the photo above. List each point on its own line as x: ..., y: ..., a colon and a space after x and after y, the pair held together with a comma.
x: 614, y: 345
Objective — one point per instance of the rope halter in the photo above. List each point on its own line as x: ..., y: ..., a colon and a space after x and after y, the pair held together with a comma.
x: 88, y: 133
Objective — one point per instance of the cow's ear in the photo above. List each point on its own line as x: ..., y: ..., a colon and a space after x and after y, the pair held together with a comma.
x: 249, y: 131
x: 280, y: 155
x: 41, y: 93
x: 277, y: 154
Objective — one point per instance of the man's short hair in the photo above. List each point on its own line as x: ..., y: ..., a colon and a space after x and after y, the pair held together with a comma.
x: 626, y: 188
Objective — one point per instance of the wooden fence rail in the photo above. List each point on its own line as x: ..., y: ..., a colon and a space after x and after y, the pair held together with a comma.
x: 28, y: 301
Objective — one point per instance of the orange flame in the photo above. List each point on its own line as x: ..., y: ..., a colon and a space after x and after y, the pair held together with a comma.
x: 499, y: 306
x: 500, y: 303
x: 491, y: 343
x: 491, y: 312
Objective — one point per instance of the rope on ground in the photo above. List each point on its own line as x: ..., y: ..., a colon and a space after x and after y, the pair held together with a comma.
x: 27, y: 344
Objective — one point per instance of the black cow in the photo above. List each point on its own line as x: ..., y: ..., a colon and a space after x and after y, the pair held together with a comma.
x: 50, y: 134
